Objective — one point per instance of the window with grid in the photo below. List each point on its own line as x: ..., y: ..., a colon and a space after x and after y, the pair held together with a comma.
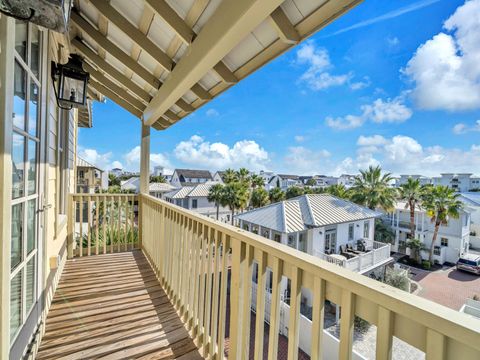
x: 444, y: 241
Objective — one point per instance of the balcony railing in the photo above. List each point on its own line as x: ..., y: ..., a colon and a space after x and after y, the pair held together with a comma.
x: 192, y: 256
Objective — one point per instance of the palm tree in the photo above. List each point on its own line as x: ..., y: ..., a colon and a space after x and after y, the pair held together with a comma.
x: 372, y: 189
x: 229, y: 176
x: 338, y: 190
x: 411, y: 192
x: 441, y: 204
x: 256, y: 181
x: 215, y: 195
x: 243, y: 176
x: 294, y: 191
x: 276, y: 194
x: 259, y: 198
x: 235, y: 196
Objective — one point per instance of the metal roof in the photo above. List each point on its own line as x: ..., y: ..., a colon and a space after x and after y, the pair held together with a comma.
x: 83, y: 163
x: 160, y: 187
x: 305, y: 211
x: 194, y: 174
x: 136, y: 51
x: 199, y: 190
x: 180, y: 193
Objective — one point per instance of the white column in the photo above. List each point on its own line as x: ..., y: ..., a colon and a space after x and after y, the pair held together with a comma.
x: 145, y: 159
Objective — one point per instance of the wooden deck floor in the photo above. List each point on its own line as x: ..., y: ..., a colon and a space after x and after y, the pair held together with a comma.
x: 112, y: 307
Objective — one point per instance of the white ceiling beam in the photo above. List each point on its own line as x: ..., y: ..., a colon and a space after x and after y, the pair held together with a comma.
x: 173, y: 20
x: 284, y: 27
x: 112, y: 49
x: 231, y: 22
x: 133, y: 33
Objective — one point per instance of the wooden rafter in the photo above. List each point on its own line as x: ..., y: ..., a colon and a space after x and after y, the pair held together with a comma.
x: 285, y: 28
x: 231, y: 22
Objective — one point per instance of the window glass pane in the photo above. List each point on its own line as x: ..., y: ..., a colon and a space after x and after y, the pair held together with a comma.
x: 18, y: 165
x: 17, y: 231
x: 30, y: 285
x: 34, y: 50
x: 32, y: 166
x: 33, y: 109
x: 19, y: 97
x: 31, y: 222
x: 15, y: 304
x: 21, y: 38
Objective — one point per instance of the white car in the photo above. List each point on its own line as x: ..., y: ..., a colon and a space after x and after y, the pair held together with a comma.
x: 470, y: 263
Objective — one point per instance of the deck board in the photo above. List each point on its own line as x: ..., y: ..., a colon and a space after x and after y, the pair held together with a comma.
x: 112, y: 307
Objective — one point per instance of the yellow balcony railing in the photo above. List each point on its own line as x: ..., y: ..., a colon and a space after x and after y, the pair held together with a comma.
x: 206, y: 268
x: 102, y: 223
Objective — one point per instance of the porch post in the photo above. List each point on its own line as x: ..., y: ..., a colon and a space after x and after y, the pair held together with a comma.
x: 7, y: 39
x: 144, y: 176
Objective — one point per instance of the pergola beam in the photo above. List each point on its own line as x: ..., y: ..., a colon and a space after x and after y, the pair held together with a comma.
x: 224, y: 72
x: 133, y: 33
x: 284, y: 27
x: 112, y: 49
x: 169, y: 15
x: 114, y: 87
x: 231, y: 22
x: 115, y: 98
x: 110, y: 70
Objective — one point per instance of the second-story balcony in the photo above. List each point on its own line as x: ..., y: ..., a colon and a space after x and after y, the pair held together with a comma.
x: 168, y: 283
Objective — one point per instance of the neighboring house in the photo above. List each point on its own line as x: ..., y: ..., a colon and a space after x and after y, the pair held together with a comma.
x: 462, y: 182
x: 284, y: 181
x: 90, y: 178
x: 132, y: 184
x: 188, y: 177
x: 195, y: 198
x: 219, y: 177
x: 158, y: 170
x: 452, y: 241
x: 346, y: 180
x: 327, y: 180
x: 471, y: 201
x: 323, y: 226
x: 117, y: 172
x: 159, y: 190
x: 422, y: 179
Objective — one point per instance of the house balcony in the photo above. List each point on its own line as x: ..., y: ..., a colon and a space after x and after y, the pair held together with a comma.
x: 162, y: 282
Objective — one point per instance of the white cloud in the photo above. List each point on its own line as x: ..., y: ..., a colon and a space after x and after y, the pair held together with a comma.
x: 117, y: 164
x: 317, y: 77
x: 212, y: 113
x: 299, y: 138
x: 393, y: 41
x: 446, y: 69
x: 380, y: 111
x: 201, y: 153
x: 462, y: 128
x: 305, y: 161
x: 132, y: 159
x: 358, y: 85
x: 103, y: 161
x: 404, y: 154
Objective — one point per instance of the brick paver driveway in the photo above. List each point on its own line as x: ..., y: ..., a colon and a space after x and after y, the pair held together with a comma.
x: 448, y: 286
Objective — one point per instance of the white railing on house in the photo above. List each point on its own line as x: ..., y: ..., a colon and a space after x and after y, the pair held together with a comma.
x: 193, y: 254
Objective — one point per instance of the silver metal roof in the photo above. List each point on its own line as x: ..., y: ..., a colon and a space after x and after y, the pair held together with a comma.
x: 305, y: 211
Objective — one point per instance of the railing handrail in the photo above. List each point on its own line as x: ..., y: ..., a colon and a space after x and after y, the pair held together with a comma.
x: 438, y: 318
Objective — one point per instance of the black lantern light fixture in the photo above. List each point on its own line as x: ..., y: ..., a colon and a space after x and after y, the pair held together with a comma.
x: 72, y: 80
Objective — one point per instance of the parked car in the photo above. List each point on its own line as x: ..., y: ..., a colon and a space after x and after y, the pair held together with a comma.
x: 470, y: 263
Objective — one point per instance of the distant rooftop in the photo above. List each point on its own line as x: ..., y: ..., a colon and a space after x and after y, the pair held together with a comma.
x: 84, y: 163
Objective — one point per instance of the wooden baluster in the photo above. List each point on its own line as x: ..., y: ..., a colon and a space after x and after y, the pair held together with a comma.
x: 112, y: 228
x: 216, y: 291
x: 119, y: 222
x: 104, y: 220
x: 81, y: 225
x: 294, y: 317
x: 319, y: 290
x: 436, y: 346
x: 181, y: 263
x: 186, y: 269
x: 203, y: 265
x: 208, y: 291
x: 89, y: 225
x: 132, y: 220
x: 260, y: 307
x: 346, y: 325
x: 71, y: 214
x: 195, y: 280
x: 188, y: 273
x: 246, y: 300
x: 127, y: 242
x: 275, y: 309
x: 384, y: 334
x: 97, y: 204
x: 223, y: 296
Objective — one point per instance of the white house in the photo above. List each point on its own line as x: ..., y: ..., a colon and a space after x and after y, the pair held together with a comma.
x: 131, y: 184
x: 422, y: 179
x: 159, y: 190
x: 346, y: 180
x: 471, y: 201
x: 462, y: 182
x: 219, y: 176
x: 188, y: 177
x: 452, y: 241
x: 284, y: 181
x: 195, y: 198
x: 158, y: 170
x: 116, y: 171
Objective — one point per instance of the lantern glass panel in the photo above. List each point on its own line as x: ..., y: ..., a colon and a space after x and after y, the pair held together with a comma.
x: 72, y: 89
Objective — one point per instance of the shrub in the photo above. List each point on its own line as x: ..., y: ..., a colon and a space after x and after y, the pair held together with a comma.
x: 397, y: 278
x: 360, y: 325
x: 426, y: 264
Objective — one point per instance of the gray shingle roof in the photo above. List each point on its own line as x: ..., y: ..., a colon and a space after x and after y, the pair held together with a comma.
x: 194, y: 174
x: 305, y: 211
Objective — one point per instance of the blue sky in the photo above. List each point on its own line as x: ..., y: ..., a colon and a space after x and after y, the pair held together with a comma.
x: 395, y: 83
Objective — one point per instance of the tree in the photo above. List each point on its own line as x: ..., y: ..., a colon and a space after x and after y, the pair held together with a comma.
x: 311, y: 182
x: 256, y: 181
x: 235, y: 196
x: 113, y: 180
x: 415, y: 246
x: 276, y: 194
x: 383, y: 233
x: 441, y: 204
x: 411, y: 192
x: 259, y: 198
x: 243, y: 176
x: 157, y: 179
x: 338, y: 190
x: 215, y: 196
x: 229, y: 176
x: 294, y: 191
x: 372, y: 189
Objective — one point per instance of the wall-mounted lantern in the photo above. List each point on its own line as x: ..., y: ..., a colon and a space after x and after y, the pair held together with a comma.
x: 72, y: 80
x: 52, y: 14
